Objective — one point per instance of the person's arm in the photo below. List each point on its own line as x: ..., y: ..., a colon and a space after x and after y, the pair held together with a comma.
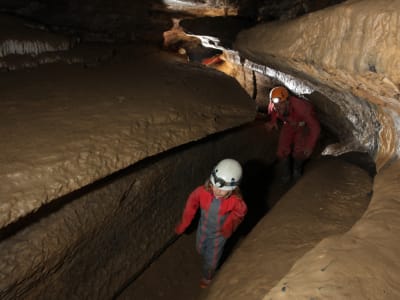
x: 192, y: 204
x: 234, y: 218
x: 272, y: 123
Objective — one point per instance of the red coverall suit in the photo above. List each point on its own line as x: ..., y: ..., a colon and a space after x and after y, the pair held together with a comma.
x: 218, y: 220
x: 300, y: 128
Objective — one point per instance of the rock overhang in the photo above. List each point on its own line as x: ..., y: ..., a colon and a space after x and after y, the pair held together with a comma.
x: 65, y: 126
x: 336, y: 61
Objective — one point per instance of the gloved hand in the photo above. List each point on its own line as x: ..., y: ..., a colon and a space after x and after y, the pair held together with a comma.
x: 179, y: 229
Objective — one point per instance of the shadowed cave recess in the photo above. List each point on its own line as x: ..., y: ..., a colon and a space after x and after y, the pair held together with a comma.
x: 107, y: 233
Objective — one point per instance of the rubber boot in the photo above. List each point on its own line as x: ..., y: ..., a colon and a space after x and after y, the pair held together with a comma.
x: 284, y: 171
x: 297, y: 169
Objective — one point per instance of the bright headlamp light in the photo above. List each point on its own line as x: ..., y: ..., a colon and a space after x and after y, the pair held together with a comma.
x: 276, y: 100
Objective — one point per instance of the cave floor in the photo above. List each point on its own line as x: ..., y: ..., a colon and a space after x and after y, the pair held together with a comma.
x: 176, y: 272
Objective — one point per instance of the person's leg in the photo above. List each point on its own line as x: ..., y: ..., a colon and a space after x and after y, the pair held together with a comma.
x: 283, y: 153
x: 298, y: 154
x: 297, y: 168
x: 283, y: 171
x: 211, y: 254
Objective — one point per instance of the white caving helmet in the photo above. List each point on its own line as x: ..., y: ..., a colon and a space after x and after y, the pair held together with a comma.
x: 226, y: 174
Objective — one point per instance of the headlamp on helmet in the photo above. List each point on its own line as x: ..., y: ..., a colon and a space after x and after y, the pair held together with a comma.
x: 278, y: 94
x: 220, y: 182
x: 275, y: 100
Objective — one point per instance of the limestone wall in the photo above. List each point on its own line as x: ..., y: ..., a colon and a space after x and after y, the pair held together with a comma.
x: 89, y: 243
x: 349, y: 53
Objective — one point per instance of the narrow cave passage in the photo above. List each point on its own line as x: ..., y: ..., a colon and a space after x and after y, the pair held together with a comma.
x: 175, y: 272
x: 85, y: 247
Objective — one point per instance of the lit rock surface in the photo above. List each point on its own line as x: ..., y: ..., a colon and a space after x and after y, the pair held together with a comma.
x: 66, y: 126
x: 27, y: 45
x: 90, y: 243
x: 350, y: 53
x: 22, y: 37
x: 360, y: 264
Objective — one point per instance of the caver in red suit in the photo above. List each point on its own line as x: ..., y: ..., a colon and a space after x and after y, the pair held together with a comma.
x: 299, y: 132
x: 222, y: 209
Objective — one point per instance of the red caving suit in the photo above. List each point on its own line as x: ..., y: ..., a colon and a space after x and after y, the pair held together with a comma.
x: 218, y: 220
x: 300, y: 128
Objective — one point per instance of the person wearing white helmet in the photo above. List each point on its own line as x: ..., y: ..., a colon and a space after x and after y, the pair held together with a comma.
x: 222, y: 209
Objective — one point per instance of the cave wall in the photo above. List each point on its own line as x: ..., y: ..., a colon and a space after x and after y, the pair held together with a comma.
x: 335, y: 50
x: 88, y: 244
x: 349, y: 55
x: 365, y: 92
x: 362, y: 263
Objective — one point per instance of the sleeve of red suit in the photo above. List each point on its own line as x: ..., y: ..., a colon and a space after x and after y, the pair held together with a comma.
x: 192, y: 204
x: 272, y: 113
x: 234, y: 218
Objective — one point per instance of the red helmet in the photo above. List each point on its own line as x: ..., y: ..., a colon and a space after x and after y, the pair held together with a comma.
x: 278, y: 94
